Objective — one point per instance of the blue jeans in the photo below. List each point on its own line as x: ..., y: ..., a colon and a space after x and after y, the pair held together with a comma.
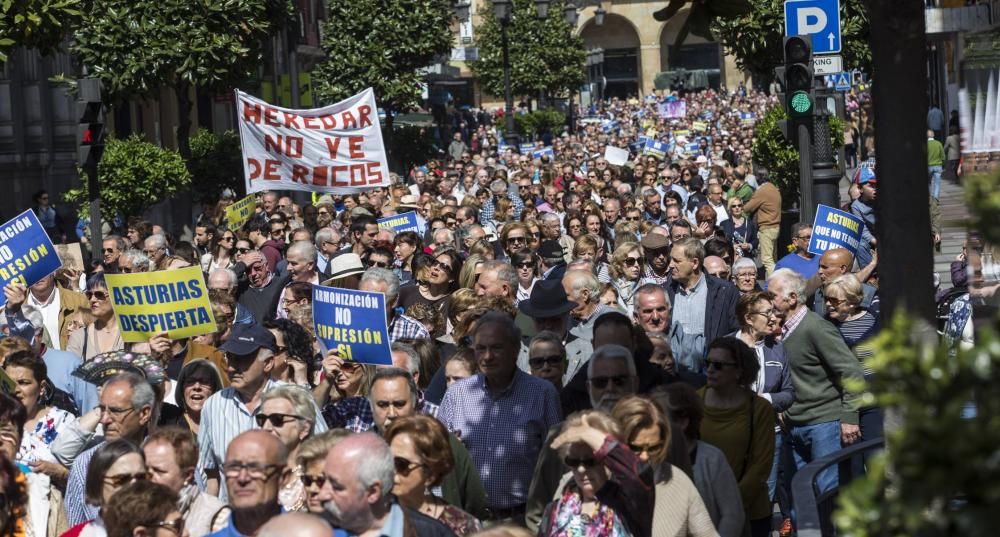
x: 935, y: 175
x: 811, y: 442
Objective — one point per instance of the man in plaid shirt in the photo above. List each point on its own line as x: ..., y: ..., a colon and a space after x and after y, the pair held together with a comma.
x: 499, y: 188
x: 380, y: 280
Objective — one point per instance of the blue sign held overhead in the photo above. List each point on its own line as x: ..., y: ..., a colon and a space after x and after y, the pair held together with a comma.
x: 834, y: 228
x: 543, y: 152
x: 400, y: 222
x: 353, y: 323
x: 26, y: 252
x: 819, y: 19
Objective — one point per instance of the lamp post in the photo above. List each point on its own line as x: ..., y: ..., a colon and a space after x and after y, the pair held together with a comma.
x: 502, y: 10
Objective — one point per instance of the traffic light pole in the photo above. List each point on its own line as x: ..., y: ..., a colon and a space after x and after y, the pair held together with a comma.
x: 94, y: 193
x: 824, y: 176
x: 807, y: 208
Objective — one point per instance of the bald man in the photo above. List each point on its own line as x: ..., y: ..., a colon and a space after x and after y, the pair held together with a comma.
x: 834, y: 263
x: 298, y: 525
x: 716, y: 266
x: 254, y: 469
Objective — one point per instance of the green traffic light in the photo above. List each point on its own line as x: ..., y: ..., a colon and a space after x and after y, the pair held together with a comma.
x: 800, y: 103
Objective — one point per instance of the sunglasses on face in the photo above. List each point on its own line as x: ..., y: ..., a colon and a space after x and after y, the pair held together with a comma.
x: 404, y: 467
x: 631, y: 261
x: 719, y: 366
x: 380, y: 264
x: 310, y: 480
x: 443, y: 266
x: 276, y: 419
x: 109, y: 250
x: 602, y: 382
x: 175, y: 526
x: 121, y: 480
x: 97, y: 295
x: 526, y: 265
x: 575, y: 463
x: 243, y: 250
x: 539, y: 362
x: 511, y: 240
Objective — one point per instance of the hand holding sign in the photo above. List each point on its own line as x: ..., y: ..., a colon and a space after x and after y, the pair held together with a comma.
x: 16, y: 294
x: 352, y: 323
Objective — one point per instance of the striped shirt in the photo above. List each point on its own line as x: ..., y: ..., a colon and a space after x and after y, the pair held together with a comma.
x: 505, y: 434
x: 857, y: 333
x: 78, y: 510
x: 223, y: 418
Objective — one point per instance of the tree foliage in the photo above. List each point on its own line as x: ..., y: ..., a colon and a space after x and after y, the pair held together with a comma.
x: 216, y: 164
x: 138, y: 47
x: 40, y: 24
x: 779, y: 156
x: 701, y: 15
x: 544, y: 53
x: 940, y: 474
x: 540, y: 121
x: 133, y: 175
x: 755, y: 38
x: 381, y: 44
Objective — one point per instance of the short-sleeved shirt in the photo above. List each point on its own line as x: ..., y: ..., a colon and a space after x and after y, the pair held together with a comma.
x: 504, y: 434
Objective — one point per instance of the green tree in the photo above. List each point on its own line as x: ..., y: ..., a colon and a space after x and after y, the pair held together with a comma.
x: 755, y: 38
x: 216, y: 164
x: 701, y: 16
x: 40, y: 24
x: 133, y: 175
x: 381, y: 44
x: 138, y: 47
x: 544, y: 53
x: 781, y: 159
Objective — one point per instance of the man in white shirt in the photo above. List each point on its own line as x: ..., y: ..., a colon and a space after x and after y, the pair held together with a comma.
x: 57, y: 306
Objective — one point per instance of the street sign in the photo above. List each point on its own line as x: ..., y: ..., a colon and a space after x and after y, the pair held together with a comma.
x: 840, y: 81
x: 819, y: 19
x: 827, y: 65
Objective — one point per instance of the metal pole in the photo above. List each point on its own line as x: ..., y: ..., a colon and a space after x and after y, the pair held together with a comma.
x: 94, y: 195
x: 509, y: 135
x: 807, y: 206
x: 825, y: 178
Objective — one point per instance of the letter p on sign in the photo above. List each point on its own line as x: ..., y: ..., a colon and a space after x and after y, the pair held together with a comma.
x: 811, y: 20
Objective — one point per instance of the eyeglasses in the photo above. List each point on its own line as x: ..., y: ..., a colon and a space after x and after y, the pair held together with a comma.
x: 631, y: 261
x: 121, y: 480
x: 100, y: 296
x: 175, y: 526
x: 768, y: 313
x: 276, y: 419
x: 526, y: 265
x: 243, y: 250
x: 807, y: 237
x: 443, y: 266
x: 834, y: 301
x: 602, y: 382
x: 109, y: 250
x: 228, y: 239
x: 126, y: 270
x: 713, y: 364
x: 350, y: 367
x: 379, y: 264
x: 115, y: 413
x: 254, y: 470
x: 310, y: 480
x: 541, y: 361
x: 576, y: 463
x: 511, y: 240
x: 735, y: 205
x: 632, y: 218
x: 404, y: 466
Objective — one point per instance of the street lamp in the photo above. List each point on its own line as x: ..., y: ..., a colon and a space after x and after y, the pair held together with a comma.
x: 599, y: 16
x: 502, y: 10
x: 570, y: 15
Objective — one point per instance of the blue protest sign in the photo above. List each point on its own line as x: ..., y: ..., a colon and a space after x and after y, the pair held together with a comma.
x: 543, y: 152
x: 400, y: 222
x: 353, y: 323
x: 526, y: 149
x: 834, y: 228
x: 656, y: 149
x: 26, y: 252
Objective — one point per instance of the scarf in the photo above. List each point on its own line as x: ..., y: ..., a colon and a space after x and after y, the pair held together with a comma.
x: 569, y: 521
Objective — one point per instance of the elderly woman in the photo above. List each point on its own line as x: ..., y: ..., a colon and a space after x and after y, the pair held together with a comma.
x: 679, y: 509
x: 745, y: 275
x: 287, y: 412
x: 574, y: 226
x: 422, y: 456
x: 609, y: 490
x: 44, y: 420
x: 741, y: 424
x: 591, y: 248
x: 626, y: 272
x: 102, y: 335
x: 842, y: 297
x: 758, y: 323
x: 114, y: 465
x: 310, y: 459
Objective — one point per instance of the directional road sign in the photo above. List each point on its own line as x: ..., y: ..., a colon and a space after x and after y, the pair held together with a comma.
x: 827, y: 65
x: 819, y: 19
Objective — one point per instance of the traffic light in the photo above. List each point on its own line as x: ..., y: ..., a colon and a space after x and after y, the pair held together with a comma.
x: 90, y: 131
x: 799, y: 98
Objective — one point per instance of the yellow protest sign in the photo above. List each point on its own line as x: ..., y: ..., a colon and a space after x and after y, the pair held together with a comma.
x: 699, y: 126
x: 171, y: 301
x: 238, y: 213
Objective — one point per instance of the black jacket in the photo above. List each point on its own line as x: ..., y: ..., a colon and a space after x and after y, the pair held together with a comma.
x: 720, y: 307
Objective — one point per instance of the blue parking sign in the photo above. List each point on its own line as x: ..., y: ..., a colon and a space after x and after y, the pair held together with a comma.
x: 819, y: 19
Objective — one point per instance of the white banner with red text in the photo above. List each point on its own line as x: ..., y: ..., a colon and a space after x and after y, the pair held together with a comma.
x: 336, y: 149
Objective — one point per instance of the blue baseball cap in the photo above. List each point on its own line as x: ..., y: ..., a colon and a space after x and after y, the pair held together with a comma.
x: 248, y: 338
x: 866, y: 175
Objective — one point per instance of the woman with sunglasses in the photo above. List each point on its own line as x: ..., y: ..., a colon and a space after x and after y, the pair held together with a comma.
x: 422, y: 456
x: 102, y: 335
x: 741, y: 424
x: 626, y: 271
x: 310, y: 459
x: 221, y: 253
x: 435, y: 283
x: 526, y: 265
x: 744, y: 229
x: 288, y: 413
x: 342, y: 379
x: 609, y: 490
x: 679, y: 507
x: 114, y: 465
x: 514, y: 237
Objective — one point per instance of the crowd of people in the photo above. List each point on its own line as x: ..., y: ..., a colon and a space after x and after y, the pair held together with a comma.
x: 579, y: 346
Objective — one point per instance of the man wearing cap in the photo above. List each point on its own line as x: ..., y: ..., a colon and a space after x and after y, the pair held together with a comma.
x: 552, y: 264
x: 864, y: 208
x: 550, y: 308
x: 656, y: 248
x: 250, y: 354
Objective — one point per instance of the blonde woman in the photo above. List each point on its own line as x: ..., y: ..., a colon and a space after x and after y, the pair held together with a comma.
x: 626, y: 271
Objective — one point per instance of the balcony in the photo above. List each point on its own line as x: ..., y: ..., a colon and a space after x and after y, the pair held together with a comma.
x: 981, y: 17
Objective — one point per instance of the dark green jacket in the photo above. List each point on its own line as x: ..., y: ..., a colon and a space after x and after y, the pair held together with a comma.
x: 819, y: 361
x: 462, y: 487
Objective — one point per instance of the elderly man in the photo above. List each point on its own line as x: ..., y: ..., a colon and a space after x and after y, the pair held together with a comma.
x: 652, y: 308
x: 155, y: 248
x: 502, y: 414
x: 656, y: 248
x: 611, y: 377
x: 57, y: 306
x: 824, y: 416
x: 262, y: 296
x: 301, y: 268
x: 834, y: 263
x: 550, y: 309
x: 298, y: 524
x: 652, y: 206
x: 716, y: 266
x: 704, y: 306
x: 127, y: 402
x: 327, y: 244
x: 380, y: 280
x: 498, y: 279
x: 133, y: 260
x: 551, y: 260
x: 582, y: 287
x: 112, y: 248
x: 443, y: 238
x: 250, y: 354
x: 552, y: 230
x: 612, y: 210
x: 357, y: 492
x: 801, y: 260
x: 255, y: 467
x: 226, y: 280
